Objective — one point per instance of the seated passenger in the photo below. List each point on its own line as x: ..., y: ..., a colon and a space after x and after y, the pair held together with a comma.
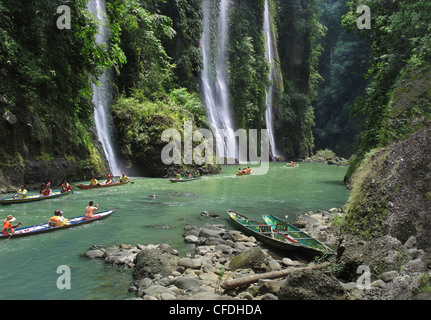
x: 124, y: 178
x: 65, y: 187
x: 48, y: 190
x: 21, y: 193
x: 58, y: 220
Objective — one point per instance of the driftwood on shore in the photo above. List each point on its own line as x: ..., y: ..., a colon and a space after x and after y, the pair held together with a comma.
x: 240, y: 282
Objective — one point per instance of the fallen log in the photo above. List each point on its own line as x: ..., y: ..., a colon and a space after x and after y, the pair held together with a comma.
x: 245, y: 281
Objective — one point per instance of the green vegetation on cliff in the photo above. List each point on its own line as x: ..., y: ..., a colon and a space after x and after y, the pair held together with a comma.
x: 45, y: 87
x: 389, y: 173
x: 401, y: 43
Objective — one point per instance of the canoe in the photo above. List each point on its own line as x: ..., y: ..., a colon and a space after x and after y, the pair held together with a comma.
x: 263, y: 232
x: 288, y: 165
x: 99, y: 185
x: 32, y: 198
x: 44, y: 227
x: 280, y: 240
x: 244, y: 173
x: 183, y: 180
x: 303, y: 238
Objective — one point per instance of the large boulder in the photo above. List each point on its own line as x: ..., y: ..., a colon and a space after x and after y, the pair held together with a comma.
x: 150, y: 262
x: 311, y: 285
x: 253, y: 258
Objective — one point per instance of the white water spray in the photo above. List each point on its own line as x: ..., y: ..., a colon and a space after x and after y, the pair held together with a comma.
x: 216, y: 91
x: 269, y: 94
x: 102, y: 95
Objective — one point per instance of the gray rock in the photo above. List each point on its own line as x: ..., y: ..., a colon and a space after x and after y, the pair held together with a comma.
x: 95, y: 254
x: 389, y: 276
x: 121, y: 258
x: 311, y: 285
x: 151, y: 262
x: 187, y: 282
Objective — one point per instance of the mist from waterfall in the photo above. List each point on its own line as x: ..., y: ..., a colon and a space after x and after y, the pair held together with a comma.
x: 214, y: 79
x: 102, y: 94
x: 269, y: 94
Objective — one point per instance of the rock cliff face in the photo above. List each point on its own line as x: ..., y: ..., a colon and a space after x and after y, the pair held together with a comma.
x: 392, y: 191
x: 392, y: 184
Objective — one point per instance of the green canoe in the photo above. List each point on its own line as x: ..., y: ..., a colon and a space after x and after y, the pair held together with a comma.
x: 304, y: 239
x: 263, y: 232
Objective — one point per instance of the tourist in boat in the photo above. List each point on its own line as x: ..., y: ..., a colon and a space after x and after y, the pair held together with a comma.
x: 93, y: 182
x: 42, y: 189
x: 177, y: 175
x: 124, y: 178
x: 65, y: 187
x: 48, y: 190
x: 188, y: 176
x: 239, y: 171
x: 21, y: 193
x: 89, y: 211
x: 109, y: 180
x: 8, y: 228
x: 198, y: 174
x: 58, y: 220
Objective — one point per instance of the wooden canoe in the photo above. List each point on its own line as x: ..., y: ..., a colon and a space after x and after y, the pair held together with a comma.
x: 263, y: 232
x: 183, y: 180
x: 32, y: 198
x: 100, y: 185
x: 303, y: 238
x: 244, y: 173
x: 44, y: 227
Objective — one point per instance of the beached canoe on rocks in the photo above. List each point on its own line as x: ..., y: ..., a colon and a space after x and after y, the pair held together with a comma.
x: 274, y: 238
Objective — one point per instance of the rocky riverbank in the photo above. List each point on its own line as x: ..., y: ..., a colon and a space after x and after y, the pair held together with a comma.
x: 227, y: 265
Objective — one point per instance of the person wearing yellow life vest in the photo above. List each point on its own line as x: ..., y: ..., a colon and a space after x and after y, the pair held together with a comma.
x: 93, y: 181
x: 58, y: 220
x: 21, y: 193
x: 124, y: 178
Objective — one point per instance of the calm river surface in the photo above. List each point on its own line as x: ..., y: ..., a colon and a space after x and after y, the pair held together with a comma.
x: 28, y: 266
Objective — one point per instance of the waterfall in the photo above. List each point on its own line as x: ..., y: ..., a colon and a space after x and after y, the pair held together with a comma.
x: 102, y: 95
x: 269, y: 94
x: 214, y: 79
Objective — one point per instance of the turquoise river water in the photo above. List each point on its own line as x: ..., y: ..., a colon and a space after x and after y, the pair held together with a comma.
x: 28, y: 265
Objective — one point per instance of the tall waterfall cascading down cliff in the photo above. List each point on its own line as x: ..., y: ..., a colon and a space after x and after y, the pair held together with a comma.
x: 102, y: 95
x: 269, y: 95
x: 214, y: 81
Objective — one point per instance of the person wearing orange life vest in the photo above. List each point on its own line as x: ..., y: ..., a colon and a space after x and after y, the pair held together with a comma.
x: 65, y: 187
x: 48, y: 190
x: 42, y: 190
x: 8, y: 228
x: 58, y: 220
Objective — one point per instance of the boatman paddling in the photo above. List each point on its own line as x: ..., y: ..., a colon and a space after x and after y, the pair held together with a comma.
x: 8, y: 228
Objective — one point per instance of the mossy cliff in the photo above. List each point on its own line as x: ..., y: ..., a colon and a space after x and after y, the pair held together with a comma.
x: 140, y: 126
x: 33, y: 151
x: 391, y: 186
